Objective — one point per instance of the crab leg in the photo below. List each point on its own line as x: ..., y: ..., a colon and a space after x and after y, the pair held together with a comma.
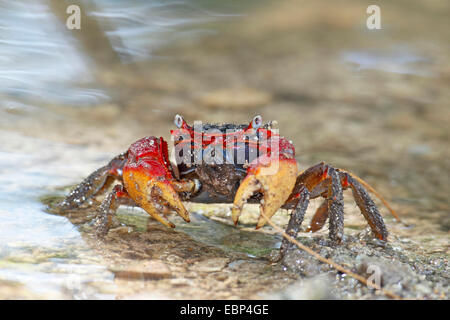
x: 108, y: 208
x: 321, y: 175
x: 368, y: 208
x: 335, y: 201
x: 96, y: 183
x: 297, y: 215
x: 319, y: 218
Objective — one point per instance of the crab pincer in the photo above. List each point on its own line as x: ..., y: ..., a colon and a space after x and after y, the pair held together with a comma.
x: 273, y: 174
x: 149, y: 181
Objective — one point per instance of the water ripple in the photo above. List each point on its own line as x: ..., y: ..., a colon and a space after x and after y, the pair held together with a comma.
x: 40, y: 60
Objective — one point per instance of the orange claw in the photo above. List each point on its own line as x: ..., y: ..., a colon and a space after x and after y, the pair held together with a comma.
x: 149, y: 181
x: 275, y: 181
x: 154, y: 196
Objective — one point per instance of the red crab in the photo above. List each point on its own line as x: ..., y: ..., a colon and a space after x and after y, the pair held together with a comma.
x: 225, y: 163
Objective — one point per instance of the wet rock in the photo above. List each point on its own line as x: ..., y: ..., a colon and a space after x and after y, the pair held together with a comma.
x: 245, y: 264
x: 393, y: 275
x: 147, y: 296
x: 210, y: 265
x: 14, y: 290
x: 142, y: 270
x: 106, y: 112
x: 401, y: 272
x: 121, y: 230
x: 249, y: 216
x: 179, y: 282
x: 315, y: 288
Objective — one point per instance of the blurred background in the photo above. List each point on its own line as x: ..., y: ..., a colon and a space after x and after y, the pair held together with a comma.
x: 375, y: 102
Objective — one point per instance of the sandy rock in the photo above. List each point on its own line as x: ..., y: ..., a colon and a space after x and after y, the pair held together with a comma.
x: 142, y: 270
x: 236, y: 98
x: 210, y: 265
x: 314, y: 288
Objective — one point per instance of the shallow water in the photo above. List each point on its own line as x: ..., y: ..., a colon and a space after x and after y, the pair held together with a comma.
x: 42, y: 64
x: 43, y: 252
x: 66, y: 109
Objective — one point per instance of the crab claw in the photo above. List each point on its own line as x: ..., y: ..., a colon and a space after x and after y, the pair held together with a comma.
x: 154, y: 196
x: 275, y: 181
x: 163, y: 197
x: 149, y: 181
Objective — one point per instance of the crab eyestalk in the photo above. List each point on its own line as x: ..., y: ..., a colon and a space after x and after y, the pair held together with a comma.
x: 274, y: 180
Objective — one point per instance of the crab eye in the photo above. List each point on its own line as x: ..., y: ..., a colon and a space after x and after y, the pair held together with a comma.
x: 257, y: 122
x: 178, y: 121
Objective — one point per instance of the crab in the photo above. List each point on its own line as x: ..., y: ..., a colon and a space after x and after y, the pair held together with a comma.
x: 225, y: 163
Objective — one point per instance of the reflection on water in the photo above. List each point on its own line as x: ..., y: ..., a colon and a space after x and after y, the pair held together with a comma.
x: 138, y: 28
x: 398, y: 60
x: 39, y: 60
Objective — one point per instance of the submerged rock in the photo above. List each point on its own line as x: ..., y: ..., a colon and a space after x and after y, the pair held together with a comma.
x: 142, y: 270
